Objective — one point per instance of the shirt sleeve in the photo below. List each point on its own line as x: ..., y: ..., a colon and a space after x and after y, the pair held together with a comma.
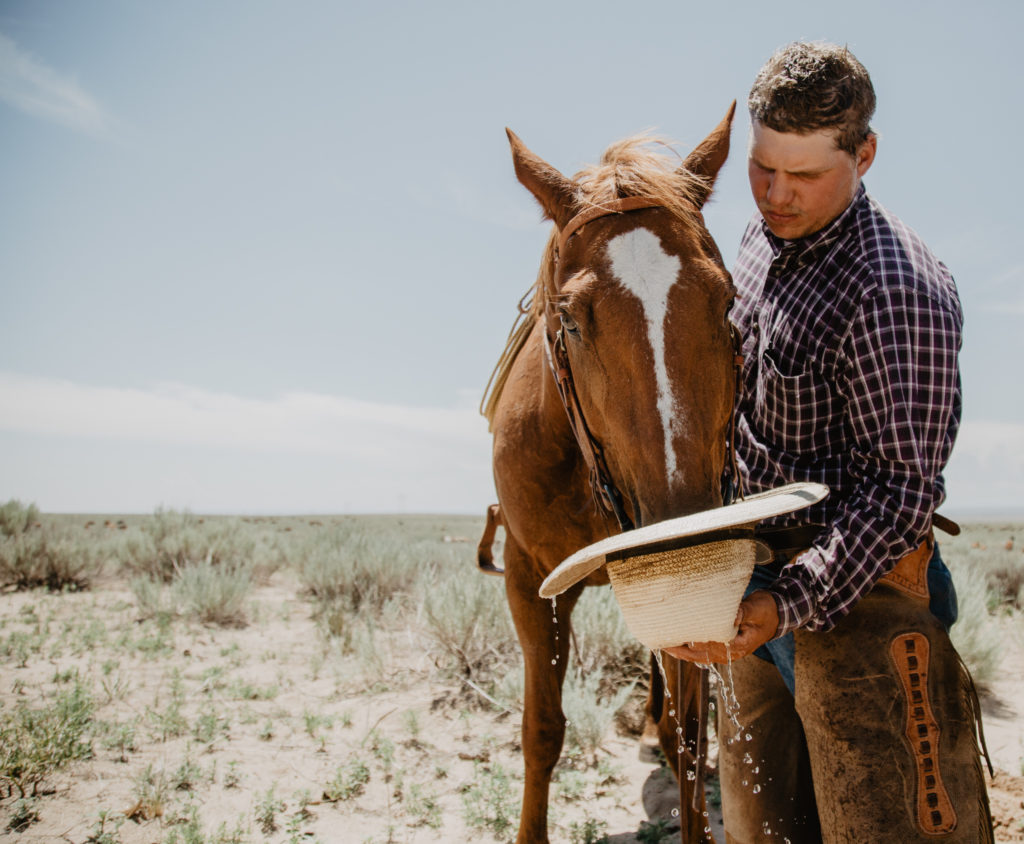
x: 900, y: 380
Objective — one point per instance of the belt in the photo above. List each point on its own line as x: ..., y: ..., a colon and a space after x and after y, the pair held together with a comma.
x: 909, y: 575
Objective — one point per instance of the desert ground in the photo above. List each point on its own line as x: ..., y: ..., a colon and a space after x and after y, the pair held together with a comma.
x: 321, y: 701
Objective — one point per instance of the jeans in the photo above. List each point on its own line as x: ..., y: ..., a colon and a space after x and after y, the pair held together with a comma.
x: 781, y: 652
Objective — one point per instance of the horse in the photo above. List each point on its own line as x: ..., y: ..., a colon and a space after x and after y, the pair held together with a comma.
x: 612, y: 411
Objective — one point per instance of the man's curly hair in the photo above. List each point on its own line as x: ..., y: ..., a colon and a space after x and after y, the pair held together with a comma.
x: 805, y: 87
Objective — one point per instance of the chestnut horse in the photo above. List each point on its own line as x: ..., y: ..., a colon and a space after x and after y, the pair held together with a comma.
x: 636, y: 297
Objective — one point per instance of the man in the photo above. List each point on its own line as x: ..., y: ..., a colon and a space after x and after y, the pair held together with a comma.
x: 851, y: 334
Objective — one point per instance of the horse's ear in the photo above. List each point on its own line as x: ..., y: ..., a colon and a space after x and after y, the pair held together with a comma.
x: 555, y: 193
x: 707, y: 159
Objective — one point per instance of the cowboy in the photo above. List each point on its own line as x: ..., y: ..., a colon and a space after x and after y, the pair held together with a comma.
x: 859, y: 720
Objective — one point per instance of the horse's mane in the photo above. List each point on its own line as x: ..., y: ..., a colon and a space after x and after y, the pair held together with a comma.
x: 641, y: 165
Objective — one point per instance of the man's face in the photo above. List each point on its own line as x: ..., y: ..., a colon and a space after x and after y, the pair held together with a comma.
x: 801, y: 183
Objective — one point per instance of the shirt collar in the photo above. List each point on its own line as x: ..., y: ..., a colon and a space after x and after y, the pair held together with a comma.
x: 805, y: 250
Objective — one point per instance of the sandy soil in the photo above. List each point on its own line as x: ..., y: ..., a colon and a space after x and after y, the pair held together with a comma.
x: 269, y: 719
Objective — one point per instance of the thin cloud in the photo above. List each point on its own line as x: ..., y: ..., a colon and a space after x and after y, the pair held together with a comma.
x: 308, y: 423
x: 78, y: 448
x: 986, y: 472
x: 996, y: 444
x: 31, y: 86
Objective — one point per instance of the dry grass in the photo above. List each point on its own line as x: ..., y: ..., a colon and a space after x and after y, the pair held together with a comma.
x: 279, y: 679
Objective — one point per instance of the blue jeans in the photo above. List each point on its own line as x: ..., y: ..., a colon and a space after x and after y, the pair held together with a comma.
x: 782, y: 651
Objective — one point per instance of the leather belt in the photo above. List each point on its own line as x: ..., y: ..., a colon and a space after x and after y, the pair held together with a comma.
x: 909, y: 575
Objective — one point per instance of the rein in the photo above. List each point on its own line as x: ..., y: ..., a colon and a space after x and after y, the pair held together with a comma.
x: 606, y: 493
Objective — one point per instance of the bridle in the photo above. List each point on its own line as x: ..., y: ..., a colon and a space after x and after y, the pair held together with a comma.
x: 606, y: 493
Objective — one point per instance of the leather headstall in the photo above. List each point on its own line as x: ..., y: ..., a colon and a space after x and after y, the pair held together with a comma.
x: 606, y: 493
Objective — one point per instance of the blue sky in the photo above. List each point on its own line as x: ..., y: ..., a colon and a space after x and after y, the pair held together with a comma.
x: 261, y: 257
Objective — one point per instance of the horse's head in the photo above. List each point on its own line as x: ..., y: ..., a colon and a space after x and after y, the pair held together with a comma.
x: 641, y: 298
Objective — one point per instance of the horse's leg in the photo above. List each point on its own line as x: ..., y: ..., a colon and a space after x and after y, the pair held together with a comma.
x: 682, y: 708
x: 545, y: 656
x: 485, y: 548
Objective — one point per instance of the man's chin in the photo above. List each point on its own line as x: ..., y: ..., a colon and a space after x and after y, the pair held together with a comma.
x: 786, y: 226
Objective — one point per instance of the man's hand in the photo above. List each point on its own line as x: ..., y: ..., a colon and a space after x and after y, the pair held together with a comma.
x: 757, y: 619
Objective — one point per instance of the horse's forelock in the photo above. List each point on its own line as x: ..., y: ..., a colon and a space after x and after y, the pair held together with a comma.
x: 646, y: 166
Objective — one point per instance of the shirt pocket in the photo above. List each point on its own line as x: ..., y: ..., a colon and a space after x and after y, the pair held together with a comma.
x: 800, y: 412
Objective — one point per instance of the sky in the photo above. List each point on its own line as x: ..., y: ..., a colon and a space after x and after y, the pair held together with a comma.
x: 261, y: 257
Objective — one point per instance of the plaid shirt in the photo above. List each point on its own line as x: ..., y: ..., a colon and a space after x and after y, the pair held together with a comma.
x: 850, y: 379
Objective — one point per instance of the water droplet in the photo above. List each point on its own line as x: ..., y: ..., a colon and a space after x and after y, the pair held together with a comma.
x: 746, y: 759
x: 748, y: 737
x: 757, y: 769
x: 671, y: 713
x: 707, y: 829
x: 690, y: 775
x: 745, y: 783
x: 675, y: 813
x: 757, y: 789
x: 554, y: 662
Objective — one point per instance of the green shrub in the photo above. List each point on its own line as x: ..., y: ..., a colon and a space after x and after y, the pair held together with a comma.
x: 469, y: 621
x: 357, y: 567
x: 16, y: 518
x: 101, y: 834
x: 150, y: 789
x: 171, y: 542
x: 23, y: 813
x: 653, y: 832
x: 423, y: 806
x: 47, y: 557
x: 36, y: 742
x: 994, y: 550
x: 349, y: 781
x: 211, y: 593
x: 267, y: 808
x: 976, y: 635
x: 214, y: 594
x: 603, y: 643
x: 491, y: 801
x: 589, y: 831
x: 589, y: 716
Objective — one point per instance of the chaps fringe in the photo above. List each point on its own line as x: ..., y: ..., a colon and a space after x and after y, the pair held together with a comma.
x: 970, y: 693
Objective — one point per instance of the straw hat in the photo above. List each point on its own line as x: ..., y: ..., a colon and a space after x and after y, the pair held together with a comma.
x: 682, y: 580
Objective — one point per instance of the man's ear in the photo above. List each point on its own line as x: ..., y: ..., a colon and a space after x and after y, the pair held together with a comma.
x: 866, y: 154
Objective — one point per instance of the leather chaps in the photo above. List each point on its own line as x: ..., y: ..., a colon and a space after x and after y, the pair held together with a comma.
x: 880, y: 743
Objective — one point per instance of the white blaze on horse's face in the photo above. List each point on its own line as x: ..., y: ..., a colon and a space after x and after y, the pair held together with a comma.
x: 648, y: 272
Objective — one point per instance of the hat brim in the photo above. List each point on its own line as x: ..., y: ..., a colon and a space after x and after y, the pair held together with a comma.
x: 749, y: 511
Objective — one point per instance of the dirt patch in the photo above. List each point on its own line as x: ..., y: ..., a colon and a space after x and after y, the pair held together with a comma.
x: 269, y: 732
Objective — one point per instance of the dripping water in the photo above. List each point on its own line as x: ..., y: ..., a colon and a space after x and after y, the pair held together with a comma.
x: 554, y: 619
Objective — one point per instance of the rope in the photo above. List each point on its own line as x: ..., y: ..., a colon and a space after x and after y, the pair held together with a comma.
x: 521, y: 328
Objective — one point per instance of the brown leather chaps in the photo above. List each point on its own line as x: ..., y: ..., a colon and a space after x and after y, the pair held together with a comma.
x: 879, y: 744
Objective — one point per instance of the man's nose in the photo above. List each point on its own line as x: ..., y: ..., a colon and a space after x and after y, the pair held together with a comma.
x: 780, y: 190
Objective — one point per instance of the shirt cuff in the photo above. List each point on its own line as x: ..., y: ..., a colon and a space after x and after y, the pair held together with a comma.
x: 795, y: 602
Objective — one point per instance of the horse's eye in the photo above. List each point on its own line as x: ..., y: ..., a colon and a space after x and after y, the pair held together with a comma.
x: 568, y: 323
